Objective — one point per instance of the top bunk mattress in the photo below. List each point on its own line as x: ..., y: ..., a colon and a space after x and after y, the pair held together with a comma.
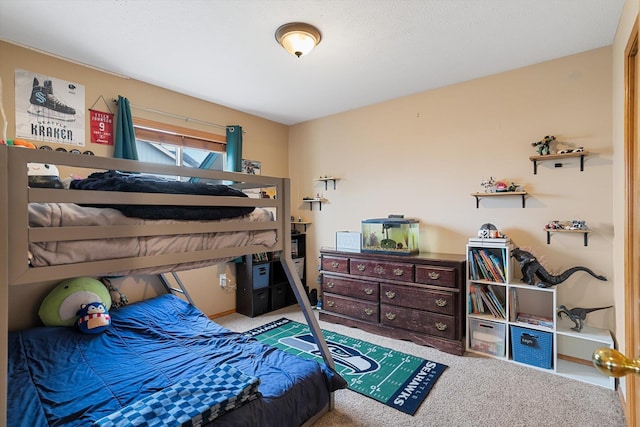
x: 74, y: 251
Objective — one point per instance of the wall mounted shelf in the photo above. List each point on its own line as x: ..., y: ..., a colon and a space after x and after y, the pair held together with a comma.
x: 585, y: 232
x: 536, y: 159
x: 478, y: 196
x: 303, y: 223
x: 326, y: 179
x: 318, y: 200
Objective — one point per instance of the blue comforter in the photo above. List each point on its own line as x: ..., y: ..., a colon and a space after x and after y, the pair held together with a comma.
x: 119, y: 181
x: 58, y: 376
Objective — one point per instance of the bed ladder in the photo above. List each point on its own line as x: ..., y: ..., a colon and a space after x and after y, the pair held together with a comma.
x: 173, y: 290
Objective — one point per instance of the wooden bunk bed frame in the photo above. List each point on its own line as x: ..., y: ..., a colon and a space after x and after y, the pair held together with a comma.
x: 15, y: 195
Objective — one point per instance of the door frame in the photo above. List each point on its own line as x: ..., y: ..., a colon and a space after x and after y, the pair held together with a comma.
x: 631, y: 231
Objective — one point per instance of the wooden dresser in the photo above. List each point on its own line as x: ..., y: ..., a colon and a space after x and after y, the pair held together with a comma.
x: 418, y: 298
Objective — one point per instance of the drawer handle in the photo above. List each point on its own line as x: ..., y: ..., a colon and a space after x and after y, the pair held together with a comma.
x: 440, y: 326
x: 335, y: 264
x: 398, y: 271
x: 434, y: 275
x: 441, y: 302
x: 390, y: 294
x: 361, y: 267
x: 368, y: 291
x: 331, y: 303
x: 390, y: 316
x: 368, y: 311
x: 331, y: 284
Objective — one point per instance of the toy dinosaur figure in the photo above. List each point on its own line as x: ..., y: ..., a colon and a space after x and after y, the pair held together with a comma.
x: 535, y: 274
x: 577, y: 315
x: 543, y: 145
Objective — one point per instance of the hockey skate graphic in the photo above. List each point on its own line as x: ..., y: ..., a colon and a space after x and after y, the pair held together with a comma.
x: 45, y: 105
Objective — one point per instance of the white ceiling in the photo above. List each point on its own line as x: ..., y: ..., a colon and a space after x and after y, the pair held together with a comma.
x: 224, y: 51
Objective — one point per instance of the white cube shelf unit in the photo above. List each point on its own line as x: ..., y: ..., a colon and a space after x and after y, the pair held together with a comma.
x: 516, y: 322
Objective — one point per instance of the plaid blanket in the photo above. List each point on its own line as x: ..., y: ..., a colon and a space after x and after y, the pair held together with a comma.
x: 188, y: 403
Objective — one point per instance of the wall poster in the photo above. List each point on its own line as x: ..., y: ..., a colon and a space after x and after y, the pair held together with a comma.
x: 49, y: 109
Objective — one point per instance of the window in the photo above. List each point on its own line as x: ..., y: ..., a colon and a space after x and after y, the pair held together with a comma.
x: 162, y: 143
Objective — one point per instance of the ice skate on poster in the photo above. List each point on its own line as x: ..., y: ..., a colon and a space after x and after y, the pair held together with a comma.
x: 45, y: 105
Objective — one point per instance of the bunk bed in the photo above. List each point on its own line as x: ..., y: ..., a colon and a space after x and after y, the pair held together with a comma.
x: 274, y: 388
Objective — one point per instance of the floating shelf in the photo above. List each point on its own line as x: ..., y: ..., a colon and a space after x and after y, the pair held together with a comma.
x: 478, y: 196
x: 536, y: 159
x: 318, y: 200
x: 303, y: 223
x: 327, y: 179
x: 549, y: 231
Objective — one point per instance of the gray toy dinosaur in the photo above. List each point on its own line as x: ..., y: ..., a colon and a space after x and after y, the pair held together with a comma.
x: 535, y: 274
x: 577, y: 315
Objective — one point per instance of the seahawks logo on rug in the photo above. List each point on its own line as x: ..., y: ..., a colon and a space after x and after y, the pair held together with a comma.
x: 344, y: 355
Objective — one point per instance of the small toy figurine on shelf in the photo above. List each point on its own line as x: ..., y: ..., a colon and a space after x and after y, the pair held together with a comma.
x: 489, y: 185
x: 573, y: 150
x: 566, y: 225
x: 543, y: 145
x: 577, y: 315
x: 502, y: 187
x: 534, y: 274
x: 489, y: 231
x: 578, y: 225
x: 554, y: 225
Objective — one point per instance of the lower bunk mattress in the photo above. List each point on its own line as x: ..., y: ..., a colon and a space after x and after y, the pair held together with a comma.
x: 159, y: 358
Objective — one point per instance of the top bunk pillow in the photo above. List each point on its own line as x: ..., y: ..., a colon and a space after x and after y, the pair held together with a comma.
x: 59, y: 308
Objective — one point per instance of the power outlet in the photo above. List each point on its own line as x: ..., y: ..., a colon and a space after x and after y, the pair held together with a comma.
x: 223, y: 280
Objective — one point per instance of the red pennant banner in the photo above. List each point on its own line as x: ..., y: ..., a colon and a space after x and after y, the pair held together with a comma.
x: 101, y: 125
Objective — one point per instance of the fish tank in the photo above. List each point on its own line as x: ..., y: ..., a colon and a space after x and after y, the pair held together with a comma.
x: 394, y: 235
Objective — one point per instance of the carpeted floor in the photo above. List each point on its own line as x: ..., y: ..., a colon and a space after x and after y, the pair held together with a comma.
x: 473, y: 391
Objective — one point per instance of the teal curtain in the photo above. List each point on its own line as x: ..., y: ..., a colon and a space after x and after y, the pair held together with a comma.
x: 125, y: 145
x: 234, y: 149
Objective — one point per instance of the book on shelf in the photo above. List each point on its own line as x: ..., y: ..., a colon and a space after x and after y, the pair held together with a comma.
x: 513, y: 306
x: 498, y: 300
x: 493, y: 242
x: 484, y: 301
x: 487, y: 265
x: 261, y: 257
x: 534, y: 319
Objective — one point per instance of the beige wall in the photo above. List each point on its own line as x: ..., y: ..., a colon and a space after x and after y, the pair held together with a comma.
x: 423, y: 155
x: 263, y: 140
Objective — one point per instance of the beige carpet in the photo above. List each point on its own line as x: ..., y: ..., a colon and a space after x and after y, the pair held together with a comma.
x: 473, y: 391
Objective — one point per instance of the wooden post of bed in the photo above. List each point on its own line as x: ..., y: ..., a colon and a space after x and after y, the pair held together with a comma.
x: 296, y: 283
x: 4, y: 282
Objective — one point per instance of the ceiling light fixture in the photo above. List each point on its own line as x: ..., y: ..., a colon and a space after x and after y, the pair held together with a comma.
x: 298, y: 38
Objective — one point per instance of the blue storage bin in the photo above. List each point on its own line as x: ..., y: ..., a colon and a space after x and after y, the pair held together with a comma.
x: 260, y: 276
x: 532, y: 347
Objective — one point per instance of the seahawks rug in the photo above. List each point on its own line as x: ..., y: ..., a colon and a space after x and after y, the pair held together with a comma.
x: 396, y: 379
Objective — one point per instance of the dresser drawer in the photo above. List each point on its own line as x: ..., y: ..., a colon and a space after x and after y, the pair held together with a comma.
x: 439, y: 276
x: 384, y: 270
x: 363, y: 310
x: 422, y: 299
x: 350, y: 287
x: 335, y: 264
x: 418, y: 321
